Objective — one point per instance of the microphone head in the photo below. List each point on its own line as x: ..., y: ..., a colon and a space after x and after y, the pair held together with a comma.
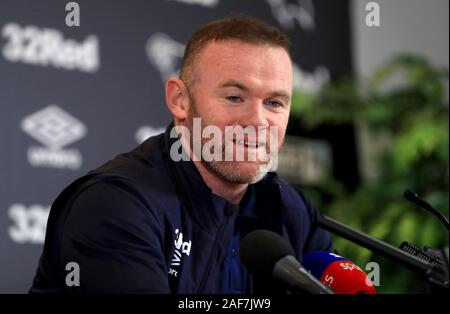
x: 338, y: 273
x: 261, y: 249
x: 410, y: 195
x: 318, y: 262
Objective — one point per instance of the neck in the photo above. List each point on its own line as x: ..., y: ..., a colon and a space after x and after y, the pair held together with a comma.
x: 232, y: 192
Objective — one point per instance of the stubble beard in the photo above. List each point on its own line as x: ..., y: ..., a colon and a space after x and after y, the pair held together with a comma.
x: 230, y: 171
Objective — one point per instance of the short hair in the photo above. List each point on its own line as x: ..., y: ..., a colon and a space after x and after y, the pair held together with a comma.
x: 241, y: 27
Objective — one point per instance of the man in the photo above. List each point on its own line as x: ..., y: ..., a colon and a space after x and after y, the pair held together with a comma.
x: 151, y: 222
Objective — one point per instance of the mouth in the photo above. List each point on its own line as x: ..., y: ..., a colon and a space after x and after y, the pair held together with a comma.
x: 250, y: 144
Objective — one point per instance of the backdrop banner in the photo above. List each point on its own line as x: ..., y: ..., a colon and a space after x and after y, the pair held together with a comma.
x: 83, y: 81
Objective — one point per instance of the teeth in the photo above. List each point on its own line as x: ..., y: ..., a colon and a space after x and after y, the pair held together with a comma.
x: 245, y: 142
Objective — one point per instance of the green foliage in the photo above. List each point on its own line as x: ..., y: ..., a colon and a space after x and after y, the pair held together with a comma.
x: 406, y: 101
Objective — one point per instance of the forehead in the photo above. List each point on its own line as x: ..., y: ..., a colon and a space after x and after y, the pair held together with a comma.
x: 233, y: 59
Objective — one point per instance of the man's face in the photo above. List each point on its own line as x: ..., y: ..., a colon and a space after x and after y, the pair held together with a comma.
x: 247, y: 85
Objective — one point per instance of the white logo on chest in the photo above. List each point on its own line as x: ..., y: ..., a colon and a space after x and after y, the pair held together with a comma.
x: 181, y: 248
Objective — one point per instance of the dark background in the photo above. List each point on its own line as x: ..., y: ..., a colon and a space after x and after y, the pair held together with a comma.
x: 122, y: 102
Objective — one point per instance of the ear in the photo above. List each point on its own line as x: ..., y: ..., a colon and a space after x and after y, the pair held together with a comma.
x: 177, y: 98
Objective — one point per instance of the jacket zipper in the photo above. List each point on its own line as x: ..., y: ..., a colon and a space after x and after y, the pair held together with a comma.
x: 214, y: 250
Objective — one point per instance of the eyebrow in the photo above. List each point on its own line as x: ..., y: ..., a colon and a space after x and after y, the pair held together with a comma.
x: 238, y: 85
x: 281, y: 94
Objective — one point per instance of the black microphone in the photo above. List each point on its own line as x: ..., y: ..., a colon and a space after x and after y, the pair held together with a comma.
x: 414, y: 197
x: 265, y: 253
x: 433, y: 273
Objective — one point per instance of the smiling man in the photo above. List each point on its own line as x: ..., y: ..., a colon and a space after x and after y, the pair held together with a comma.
x: 149, y: 222
x: 233, y: 79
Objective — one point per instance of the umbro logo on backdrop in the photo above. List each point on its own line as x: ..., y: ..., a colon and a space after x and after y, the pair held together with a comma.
x: 54, y: 128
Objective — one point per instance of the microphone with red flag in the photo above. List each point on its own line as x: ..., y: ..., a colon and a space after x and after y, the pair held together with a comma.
x: 340, y: 274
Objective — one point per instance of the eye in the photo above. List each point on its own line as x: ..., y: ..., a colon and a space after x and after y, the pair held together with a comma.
x: 274, y: 103
x: 234, y: 99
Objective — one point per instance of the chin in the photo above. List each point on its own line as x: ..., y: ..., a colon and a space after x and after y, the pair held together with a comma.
x: 239, y: 172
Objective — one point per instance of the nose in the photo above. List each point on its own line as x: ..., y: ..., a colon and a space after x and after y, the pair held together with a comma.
x: 255, y: 115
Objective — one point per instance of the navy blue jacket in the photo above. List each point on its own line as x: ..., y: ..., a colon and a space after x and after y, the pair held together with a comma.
x: 142, y: 223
